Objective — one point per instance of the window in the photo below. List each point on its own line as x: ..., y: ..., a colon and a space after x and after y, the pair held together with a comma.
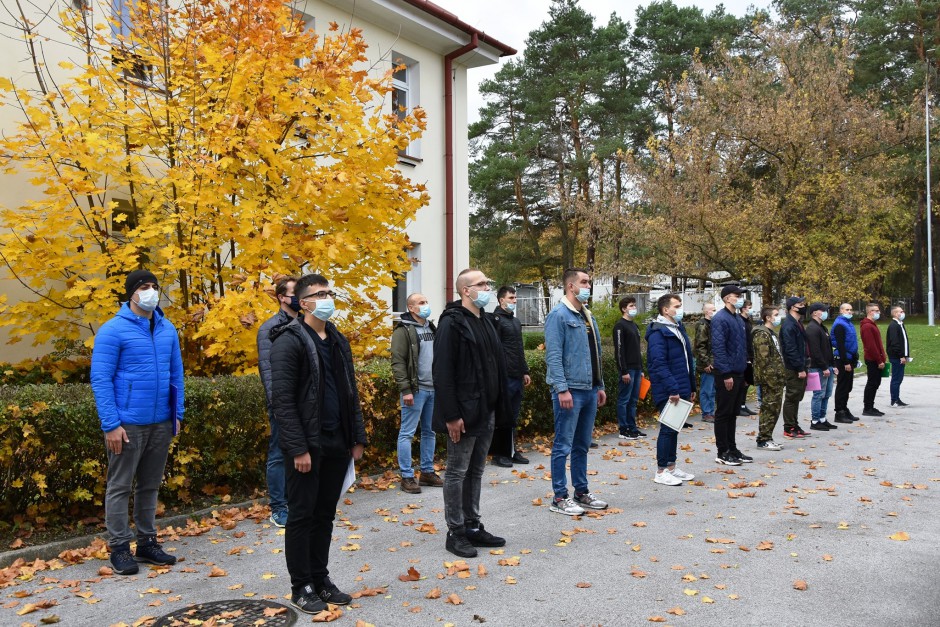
x: 409, y: 283
x: 121, y: 15
x: 405, y: 96
x: 132, y: 64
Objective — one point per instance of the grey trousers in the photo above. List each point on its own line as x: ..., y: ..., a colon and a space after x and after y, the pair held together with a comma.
x: 463, y: 478
x: 143, y: 459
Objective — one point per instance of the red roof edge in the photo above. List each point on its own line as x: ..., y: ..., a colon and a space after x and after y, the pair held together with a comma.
x: 449, y: 18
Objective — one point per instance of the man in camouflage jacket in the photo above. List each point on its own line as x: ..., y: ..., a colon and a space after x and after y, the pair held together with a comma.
x: 770, y: 375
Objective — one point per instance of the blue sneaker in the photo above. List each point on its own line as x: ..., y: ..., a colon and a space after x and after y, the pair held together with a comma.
x: 279, y: 519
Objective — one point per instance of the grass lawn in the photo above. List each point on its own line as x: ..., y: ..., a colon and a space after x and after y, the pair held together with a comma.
x: 925, y: 345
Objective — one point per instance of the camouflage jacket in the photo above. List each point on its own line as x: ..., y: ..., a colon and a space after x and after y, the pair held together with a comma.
x: 702, y: 345
x: 768, y: 362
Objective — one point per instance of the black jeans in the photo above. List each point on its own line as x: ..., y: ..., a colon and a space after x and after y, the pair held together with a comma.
x: 727, y: 403
x: 504, y: 438
x: 311, y: 506
x: 844, y: 382
x: 873, y: 383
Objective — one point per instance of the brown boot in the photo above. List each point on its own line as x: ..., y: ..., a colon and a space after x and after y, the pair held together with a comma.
x: 409, y: 485
x: 431, y: 479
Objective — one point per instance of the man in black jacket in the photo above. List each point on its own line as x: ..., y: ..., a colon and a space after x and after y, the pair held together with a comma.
x: 509, y: 329
x: 899, y: 353
x: 629, y: 357
x: 289, y: 307
x: 316, y: 404
x: 820, y: 362
x: 470, y: 400
x: 793, y: 347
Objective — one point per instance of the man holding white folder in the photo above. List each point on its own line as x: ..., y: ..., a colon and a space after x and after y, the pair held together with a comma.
x: 672, y: 381
x: 729, y: 350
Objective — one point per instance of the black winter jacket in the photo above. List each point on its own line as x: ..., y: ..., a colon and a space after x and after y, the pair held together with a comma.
x: 793, y: 344
x: 897, y: 344
x: 820, y: 346
x: 264, y: 350
x: 295, y: 393
x: 459, y: 377
x: 509, y: 330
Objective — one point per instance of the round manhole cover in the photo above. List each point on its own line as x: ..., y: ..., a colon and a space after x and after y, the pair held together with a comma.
x: 235, y: 612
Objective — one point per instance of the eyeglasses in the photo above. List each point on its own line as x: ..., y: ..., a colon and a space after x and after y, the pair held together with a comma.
x: 482, y: 284
x: 319, y: 295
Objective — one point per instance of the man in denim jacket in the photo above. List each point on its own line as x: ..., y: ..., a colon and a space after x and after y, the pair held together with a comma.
x: 574, y: 374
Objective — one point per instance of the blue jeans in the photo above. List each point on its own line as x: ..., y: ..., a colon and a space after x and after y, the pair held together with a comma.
x: 820, y: 403
x: 706, y: 398
x: 897, y: 375
x: 627, y: 396
x: 666, y: 443
x: 422, y: 410
x: 573, y: 430
x: 275, y: 470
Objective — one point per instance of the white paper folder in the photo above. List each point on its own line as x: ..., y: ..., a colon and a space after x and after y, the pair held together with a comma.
x: 675, y: 414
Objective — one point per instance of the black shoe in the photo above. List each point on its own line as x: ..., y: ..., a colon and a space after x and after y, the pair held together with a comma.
x: 844, y: 420
x: 747, y: 411
x: 594, y: 444
x: 638, y: 433
x: 518, y: 458
x: 122, y: 562
x: 329, y: 593
x: 744, y: 459
x: 149, y: 551
x: 728, y: 459
x: 687, y: 425
x: 482, y: 537
x: 870, y: 412
x: 820, y: 426
x: 898, y: 403
x: 851, y: 416
x: 459, y: 545
x: 308, y: 601
x: 830, y: 425
x: 502, y: 461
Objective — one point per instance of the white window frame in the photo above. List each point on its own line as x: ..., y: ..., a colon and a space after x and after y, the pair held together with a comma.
x: 406, y: 84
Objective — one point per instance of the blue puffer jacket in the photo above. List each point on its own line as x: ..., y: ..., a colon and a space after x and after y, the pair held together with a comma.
x: 729, y: 343
x: 132, y: 369
x: 669, y: 361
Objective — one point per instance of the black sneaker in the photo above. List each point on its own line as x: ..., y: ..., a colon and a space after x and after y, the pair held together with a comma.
x: 329, y: 593
x: 819, y: 426
x: 829, y: 425
x: 122, y: 562
x: 898, y: 403
x: 519, y: 458
x: 851, y: 416
x: 459, y: 545
x: 639, y: 433
x: 744, y: 459
x: 482, y: 537
x: 728, y: 459
x: 628, y: 435
x: 594, y: 444
x: 149, y: 551
x: 842, y: 417
x: 502, y: 461
x: 308, y: 601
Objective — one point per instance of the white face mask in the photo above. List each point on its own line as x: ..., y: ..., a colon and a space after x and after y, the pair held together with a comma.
x: 631, y: 313
x: 148, y: 299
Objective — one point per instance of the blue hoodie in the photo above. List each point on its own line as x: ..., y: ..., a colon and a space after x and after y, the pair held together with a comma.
x: 132, y: 370
x: 669, y: 360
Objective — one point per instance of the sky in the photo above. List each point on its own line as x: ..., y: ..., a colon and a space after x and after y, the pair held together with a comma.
x: 510, y: 21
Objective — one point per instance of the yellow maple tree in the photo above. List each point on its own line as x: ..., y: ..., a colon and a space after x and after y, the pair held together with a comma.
x: 218, y: 144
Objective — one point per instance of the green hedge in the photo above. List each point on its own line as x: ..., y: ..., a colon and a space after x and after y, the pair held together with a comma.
x: 53, y: 463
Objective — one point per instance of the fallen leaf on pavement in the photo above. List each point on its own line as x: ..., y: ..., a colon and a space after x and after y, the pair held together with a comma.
x: 453, y: 599
x: 676, y: 611
x: 29, y: 608
x: 369, y: 592
x: 799, y: 584
x: 217, y: 572
x: 434, y: 593
x: 766, y: 545
x: 583, y: 584
x: 328, y: 615
x: 411, y: 575
x: 901, y: 536
x: 656, y: 619
x: 708, y: 600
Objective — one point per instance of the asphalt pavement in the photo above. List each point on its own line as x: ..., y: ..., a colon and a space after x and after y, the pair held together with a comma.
x: 849, y: 515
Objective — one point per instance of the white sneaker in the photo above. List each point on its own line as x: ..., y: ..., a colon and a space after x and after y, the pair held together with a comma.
x: 769, y: 445
x: 567, y: 507
x: 681, y: 474
x: 666, y: 478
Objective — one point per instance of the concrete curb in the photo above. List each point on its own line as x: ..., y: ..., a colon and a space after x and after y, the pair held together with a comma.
x: 52, y: 550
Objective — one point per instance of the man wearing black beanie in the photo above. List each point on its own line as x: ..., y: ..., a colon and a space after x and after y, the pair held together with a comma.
x: 137, y: 378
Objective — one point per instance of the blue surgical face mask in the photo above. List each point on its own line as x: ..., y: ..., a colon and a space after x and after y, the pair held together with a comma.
x: 847, y: 316
x: 632, y: 313
x: 777, y: 319
x: 511, y: 307
x: 482, y: 299
x: 901, y: 316
x: 825, y: 316
x: 877, y: 316
x: 739, y: 303
x: 324, y: 309
x: 584, y: 295
x: 294, y: 303
x: 678, y: 315
x: 425, y: 311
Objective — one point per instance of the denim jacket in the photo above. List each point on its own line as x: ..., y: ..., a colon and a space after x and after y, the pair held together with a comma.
x: 567, y: 353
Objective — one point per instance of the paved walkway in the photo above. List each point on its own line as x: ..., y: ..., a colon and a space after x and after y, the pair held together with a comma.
x: 828, y: 511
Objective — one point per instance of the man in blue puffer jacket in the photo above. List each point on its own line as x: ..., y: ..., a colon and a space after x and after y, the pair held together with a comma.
x: 137, y: 378
x: 730, y: 359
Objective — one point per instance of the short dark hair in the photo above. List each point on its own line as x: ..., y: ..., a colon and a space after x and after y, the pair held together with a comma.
x: 665, y: 300
x: 747, y: 302
x: 571, y: 274
x: 626, y: 300
x: 766, y: 311
x: 281, y: 288
x: 506, y: 289
x: 308, y: 280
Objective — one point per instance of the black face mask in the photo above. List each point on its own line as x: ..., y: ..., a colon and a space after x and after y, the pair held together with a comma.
x: 801, y: 311
x: 294, y: 304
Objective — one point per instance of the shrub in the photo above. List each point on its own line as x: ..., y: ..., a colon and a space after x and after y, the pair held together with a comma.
x: 531, y: 340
